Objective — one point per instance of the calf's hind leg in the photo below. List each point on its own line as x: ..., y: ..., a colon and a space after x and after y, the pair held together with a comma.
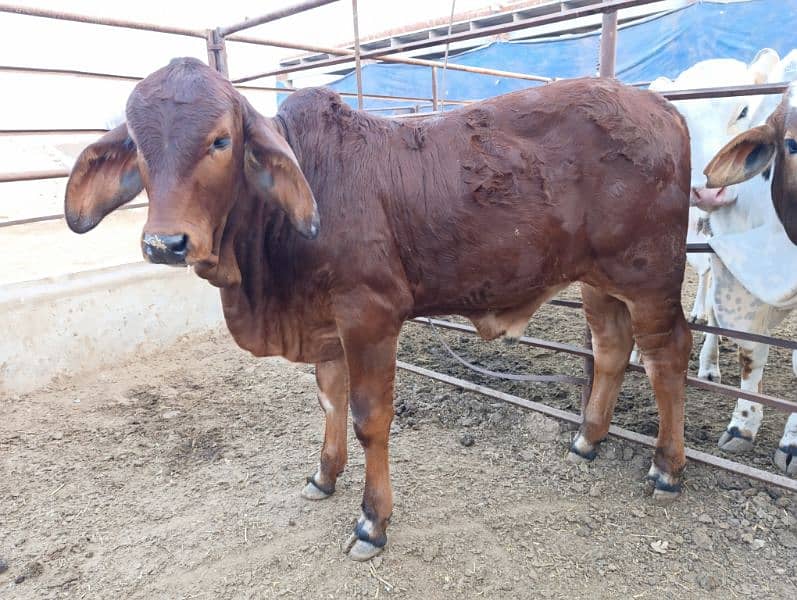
x: 612, y: 340
x: 663, y: 336
x: 331, y: 378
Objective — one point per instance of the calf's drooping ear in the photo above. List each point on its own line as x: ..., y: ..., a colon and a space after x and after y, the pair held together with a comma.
x: 661, y: 84
x: 104, y: 177
x: 744, y: 157
x: 271, y: 168
x: 763, y: 64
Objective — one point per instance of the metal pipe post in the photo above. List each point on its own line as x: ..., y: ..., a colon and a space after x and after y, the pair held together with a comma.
x: 434, y: 89
x: 358, y: 66
x: 608, y: 44
x: 217, y: 52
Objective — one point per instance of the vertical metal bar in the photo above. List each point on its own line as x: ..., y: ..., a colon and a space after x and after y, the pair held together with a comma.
x: 608, y: 44
x: 434, y: 89
x: 217, y: 52
x: 358, y: 66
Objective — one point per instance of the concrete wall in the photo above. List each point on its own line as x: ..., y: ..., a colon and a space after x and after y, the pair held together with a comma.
x: 93, y: 319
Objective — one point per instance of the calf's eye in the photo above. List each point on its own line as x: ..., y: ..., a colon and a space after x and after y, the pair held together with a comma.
x: 742, y: 114
x: 220, y: 143
x: 791, y: 145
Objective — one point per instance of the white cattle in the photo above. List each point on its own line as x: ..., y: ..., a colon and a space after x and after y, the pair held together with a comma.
x: 734, y: 217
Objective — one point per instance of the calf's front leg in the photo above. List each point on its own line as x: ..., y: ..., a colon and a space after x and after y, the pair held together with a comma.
x: 372, y: 370
x: 333, y: 392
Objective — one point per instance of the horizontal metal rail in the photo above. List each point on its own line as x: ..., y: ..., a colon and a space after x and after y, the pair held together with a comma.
x: 488, y: 31
x: 619, y: 432
x: 696, y: 248
x: 60, y: 216
x: 11, y: 132
x: 726, y: 92
x: 99, y: 75
x: 731, y: 333
x: 33, y: 175
x: 71, y: 72
x: 388, y: 59
x: 107, y: 21
x: 290, y: 90
x: 274, y: 15
x: 774, y: 402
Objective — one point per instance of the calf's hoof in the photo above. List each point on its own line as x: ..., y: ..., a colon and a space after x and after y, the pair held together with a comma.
x: 786, y: 459
x: 712, y: 375
x: 366, y: 541
x: 582, y: 451
x: 666, y: 487
x: 735, y: 440
x: 361, y: 550
x: 314, y: 491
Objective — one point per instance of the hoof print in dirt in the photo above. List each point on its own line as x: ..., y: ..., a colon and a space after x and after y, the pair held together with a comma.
x: 735, y: 440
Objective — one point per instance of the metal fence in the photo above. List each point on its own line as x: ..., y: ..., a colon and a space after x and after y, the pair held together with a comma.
x: 216, y: 40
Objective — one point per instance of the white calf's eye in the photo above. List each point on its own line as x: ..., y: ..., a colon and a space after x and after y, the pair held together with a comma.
x: 742, y: 114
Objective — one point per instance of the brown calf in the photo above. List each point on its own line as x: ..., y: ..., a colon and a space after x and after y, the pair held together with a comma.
x: 485, y: 212
x: 757, y: 149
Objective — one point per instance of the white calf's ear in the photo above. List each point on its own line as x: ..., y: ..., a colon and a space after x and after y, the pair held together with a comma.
x: 661, y: 84
x: 763, y: 64
x: 744, y: 157
x: 104, y: 177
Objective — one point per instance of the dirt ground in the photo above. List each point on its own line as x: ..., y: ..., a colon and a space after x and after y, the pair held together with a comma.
x: 178, y: 476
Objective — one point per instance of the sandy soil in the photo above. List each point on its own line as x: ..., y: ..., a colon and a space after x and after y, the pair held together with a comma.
x: 178, y: 476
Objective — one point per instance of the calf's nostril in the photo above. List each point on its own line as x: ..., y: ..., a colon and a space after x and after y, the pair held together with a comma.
x: 175, y: 243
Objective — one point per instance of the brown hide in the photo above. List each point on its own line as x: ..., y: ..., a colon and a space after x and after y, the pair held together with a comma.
x: 485, y: 211
x: 784, y: 176
x: 482, y: 212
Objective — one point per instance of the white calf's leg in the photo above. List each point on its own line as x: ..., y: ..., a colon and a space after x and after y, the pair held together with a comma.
x: 736, y: 308
x: 786, y: 453
x: 698, y: 313
x: 740, y: 434
x: 709, y: 368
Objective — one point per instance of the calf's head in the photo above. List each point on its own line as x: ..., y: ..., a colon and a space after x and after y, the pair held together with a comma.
x: 197, y: 147
x: 753, y: 151
x: 713, y: 122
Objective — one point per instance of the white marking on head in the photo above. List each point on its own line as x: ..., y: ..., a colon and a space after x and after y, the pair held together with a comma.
x: 713, y: 122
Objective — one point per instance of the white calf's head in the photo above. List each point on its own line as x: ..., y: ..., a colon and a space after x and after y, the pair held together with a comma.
x: 713, y: 122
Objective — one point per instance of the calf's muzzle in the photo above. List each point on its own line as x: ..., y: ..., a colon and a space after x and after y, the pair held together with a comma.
x: 165, y: 249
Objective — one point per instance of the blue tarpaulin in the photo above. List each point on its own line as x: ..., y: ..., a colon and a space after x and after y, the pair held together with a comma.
x: 665, y: 44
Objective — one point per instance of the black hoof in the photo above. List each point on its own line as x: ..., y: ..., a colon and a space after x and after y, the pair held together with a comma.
x: 316, y: 491
x: 587, y: 456
x: 786, y: 459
